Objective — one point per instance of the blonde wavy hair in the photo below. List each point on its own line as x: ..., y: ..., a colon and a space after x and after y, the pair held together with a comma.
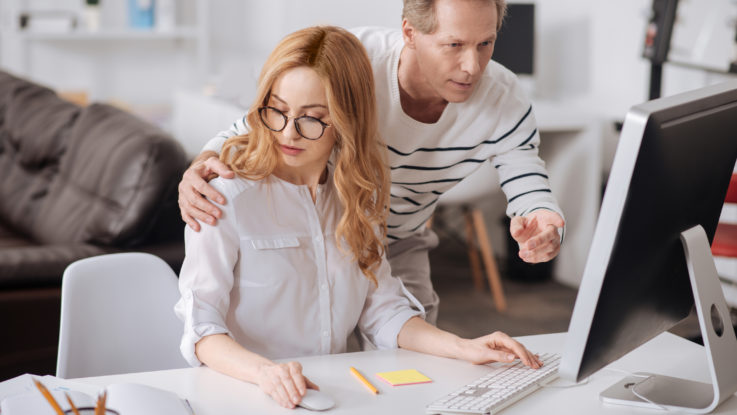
x: 361, y: 174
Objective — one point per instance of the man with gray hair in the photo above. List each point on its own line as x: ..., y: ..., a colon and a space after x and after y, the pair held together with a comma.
x: 444, y: 108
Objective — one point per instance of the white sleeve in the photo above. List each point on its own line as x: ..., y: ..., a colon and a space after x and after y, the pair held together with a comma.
x: 522, y: 174
x: 215, y: 144
x: 206, y: 280
x: 387, y: 309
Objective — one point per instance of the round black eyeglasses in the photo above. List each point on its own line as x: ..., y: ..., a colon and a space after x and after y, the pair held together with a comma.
x: 308, y: 127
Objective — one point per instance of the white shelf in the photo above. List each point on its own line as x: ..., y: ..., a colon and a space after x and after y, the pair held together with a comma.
x: 191, y: 33
x: 121, y: 34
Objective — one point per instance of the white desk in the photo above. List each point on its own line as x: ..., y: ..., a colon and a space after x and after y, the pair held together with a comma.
x: 211, y: 393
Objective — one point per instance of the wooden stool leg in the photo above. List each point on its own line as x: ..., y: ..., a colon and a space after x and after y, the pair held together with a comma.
x: 492, y: 272
x: 473, y: 255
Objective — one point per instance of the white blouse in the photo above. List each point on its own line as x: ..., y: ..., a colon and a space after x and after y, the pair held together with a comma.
x: 271, y: 276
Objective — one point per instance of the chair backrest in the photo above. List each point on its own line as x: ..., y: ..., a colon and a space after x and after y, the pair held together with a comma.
x: 117, y: 316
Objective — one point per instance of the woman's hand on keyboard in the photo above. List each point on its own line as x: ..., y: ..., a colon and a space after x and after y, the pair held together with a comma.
x: 496, y: 347
x: 420, y: 336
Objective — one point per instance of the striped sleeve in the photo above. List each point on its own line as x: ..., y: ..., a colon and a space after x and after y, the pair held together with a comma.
x: 522, y: 173
x: 215, y: 144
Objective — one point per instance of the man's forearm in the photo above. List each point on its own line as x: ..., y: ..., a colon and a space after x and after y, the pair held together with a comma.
x: 216, y: 143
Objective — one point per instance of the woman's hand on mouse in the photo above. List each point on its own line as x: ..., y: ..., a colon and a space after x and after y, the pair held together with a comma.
x: 284, y: 382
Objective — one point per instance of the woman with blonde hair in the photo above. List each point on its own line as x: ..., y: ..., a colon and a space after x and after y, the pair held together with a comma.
x: 297, y: 261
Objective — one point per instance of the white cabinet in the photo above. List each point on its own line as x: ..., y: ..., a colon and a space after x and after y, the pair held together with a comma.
x: 114, y: 27
x: 136, y: 66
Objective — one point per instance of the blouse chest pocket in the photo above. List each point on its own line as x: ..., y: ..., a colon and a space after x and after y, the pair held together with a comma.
x: 263, y: 244
x: 269, y: 261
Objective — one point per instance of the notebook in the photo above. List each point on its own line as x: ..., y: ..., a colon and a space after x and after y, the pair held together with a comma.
x: 124, y: 398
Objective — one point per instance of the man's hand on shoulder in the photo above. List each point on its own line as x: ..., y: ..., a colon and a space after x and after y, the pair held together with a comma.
x: 194, y: 190
x: 537, y: 235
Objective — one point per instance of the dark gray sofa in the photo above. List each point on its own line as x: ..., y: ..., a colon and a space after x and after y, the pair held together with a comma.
x: 74, y: 182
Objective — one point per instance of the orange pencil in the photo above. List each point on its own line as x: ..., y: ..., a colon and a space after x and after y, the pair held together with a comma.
x: 363, y: 380
x: 74, y: 407
x: 100, y: 406
x: 45, y: 392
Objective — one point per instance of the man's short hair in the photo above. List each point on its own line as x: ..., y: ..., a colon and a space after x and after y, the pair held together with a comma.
x: 421, y: 14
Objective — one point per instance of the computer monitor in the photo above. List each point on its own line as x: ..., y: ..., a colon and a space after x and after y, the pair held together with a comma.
x: 515, y: 44
x: 651, y: 245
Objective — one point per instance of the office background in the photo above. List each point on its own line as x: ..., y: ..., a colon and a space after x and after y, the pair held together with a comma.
x: 588, y: 54
x: 586, y: 50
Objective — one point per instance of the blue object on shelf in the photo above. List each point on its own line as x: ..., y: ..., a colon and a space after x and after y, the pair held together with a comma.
x: 141, y: 14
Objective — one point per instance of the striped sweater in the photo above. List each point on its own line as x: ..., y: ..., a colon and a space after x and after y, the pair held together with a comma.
x: 496, y: 123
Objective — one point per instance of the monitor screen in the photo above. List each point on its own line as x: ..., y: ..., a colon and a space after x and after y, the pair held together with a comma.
x: 670, y: 173
x: 515, y: 44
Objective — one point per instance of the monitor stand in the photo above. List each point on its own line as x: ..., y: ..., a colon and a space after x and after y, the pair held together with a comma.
x: 684, y: 395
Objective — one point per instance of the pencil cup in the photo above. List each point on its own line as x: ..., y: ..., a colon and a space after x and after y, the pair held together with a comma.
x: 89, y: 410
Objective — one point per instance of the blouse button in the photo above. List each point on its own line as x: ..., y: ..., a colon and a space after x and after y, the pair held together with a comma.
x: 318, y: 238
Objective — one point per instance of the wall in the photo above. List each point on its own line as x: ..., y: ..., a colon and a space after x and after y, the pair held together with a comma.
x: 563, y: 54
x: 136, y: 72
x: 587, y: 50
x: 245, y: 31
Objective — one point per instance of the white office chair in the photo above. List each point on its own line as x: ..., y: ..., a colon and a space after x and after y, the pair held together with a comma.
x: 117, y: 316
x: 481, y: 183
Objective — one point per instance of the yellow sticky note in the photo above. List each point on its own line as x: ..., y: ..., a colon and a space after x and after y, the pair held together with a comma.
x: 403, y: 377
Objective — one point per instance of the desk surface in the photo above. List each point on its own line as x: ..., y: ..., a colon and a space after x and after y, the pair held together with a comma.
x: 212, y: 393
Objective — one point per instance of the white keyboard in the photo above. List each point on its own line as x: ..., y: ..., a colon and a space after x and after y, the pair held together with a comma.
x: 498, y: 389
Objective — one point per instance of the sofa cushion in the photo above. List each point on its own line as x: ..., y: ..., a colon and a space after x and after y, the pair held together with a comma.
x: 26, y: 264
x: 34, y: 130
x: 113, y: 180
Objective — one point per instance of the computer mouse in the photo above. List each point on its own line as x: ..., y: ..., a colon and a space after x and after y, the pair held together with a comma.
x: 315, y: 400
